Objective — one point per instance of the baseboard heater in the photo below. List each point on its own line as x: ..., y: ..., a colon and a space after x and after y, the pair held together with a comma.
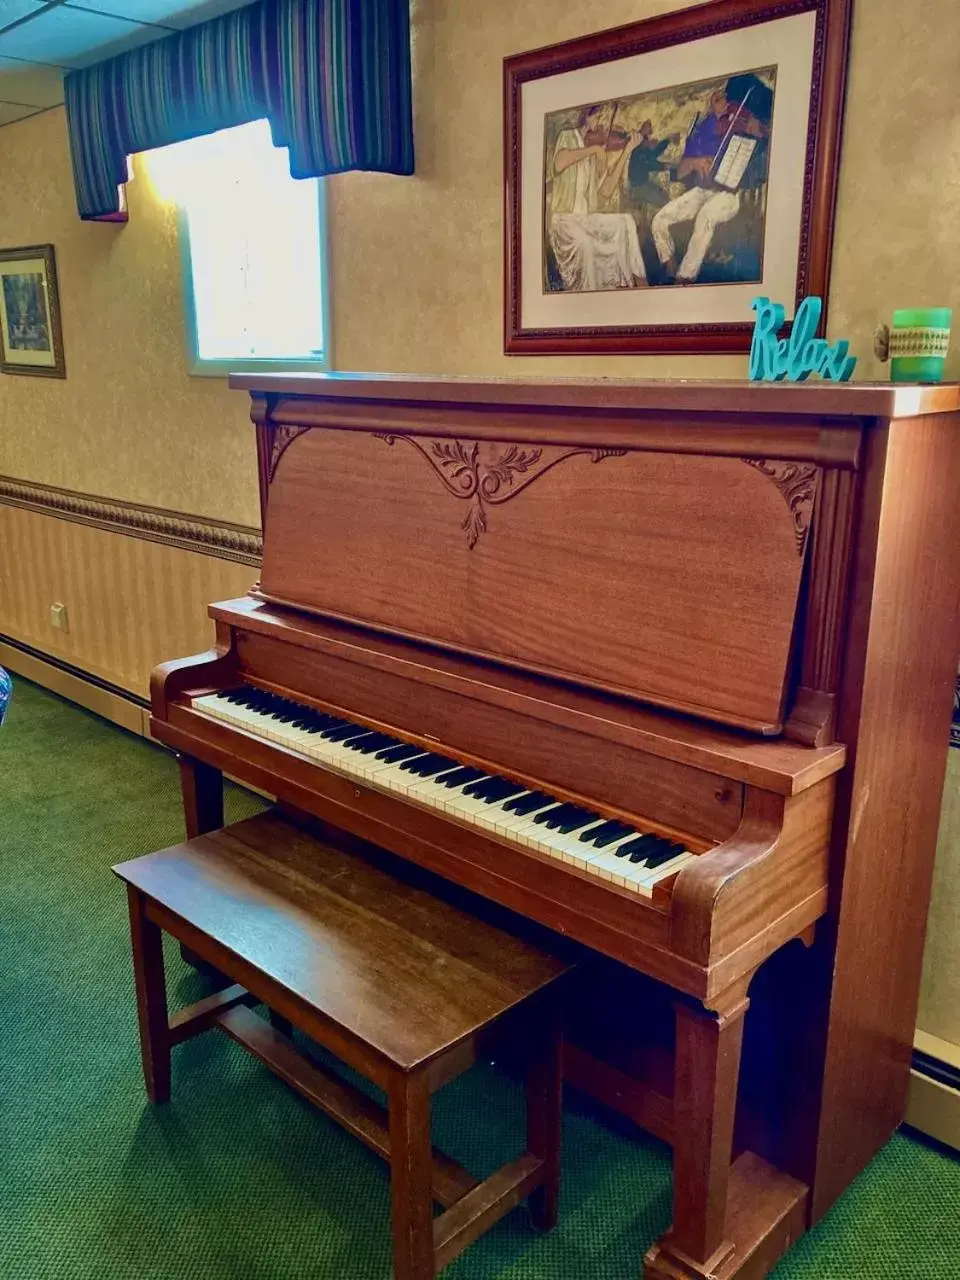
x: 934, y: 1106
x: 111, y: 701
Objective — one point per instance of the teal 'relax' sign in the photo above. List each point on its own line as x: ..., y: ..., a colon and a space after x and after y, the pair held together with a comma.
x: 793, y: 359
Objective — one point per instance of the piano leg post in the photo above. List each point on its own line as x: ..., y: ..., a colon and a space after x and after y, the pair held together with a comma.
x: 706, y: 1076
x: 545, y: 1110
x: 201, y: 786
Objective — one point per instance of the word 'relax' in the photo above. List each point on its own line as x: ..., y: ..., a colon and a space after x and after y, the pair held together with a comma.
x: 793, y: 359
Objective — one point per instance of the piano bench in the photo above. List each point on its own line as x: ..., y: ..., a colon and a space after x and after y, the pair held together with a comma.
x: 393, y: 981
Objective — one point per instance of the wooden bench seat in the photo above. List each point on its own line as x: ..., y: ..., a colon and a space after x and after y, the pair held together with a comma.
x: 397, y: 983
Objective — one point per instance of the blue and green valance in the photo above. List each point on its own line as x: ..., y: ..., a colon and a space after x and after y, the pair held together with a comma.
x: 331, y: 76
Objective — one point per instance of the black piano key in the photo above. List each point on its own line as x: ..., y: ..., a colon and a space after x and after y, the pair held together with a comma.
x: 496, y: 791
x: 621, y: 829
x: 571, y: 824
x: 402, y: 751
x: 341, y: 732
x: 641, y: 846
x: 492, y: 787
x: 429, y: 766
x: 664, y: 855
x: 478, y: 788
x: 315, y: 722
x: 555, y: 816
x: 409, y: 764
x: 426, y: 761
x: 609, y: 828
x: 372, y: 742
x: 529, y: 803
x: 654, y: 853
x: 459, y: 776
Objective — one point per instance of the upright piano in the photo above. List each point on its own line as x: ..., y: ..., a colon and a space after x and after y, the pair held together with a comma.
x: 665, y: 667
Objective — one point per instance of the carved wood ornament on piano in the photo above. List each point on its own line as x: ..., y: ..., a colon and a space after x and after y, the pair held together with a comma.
x: 663, y: 667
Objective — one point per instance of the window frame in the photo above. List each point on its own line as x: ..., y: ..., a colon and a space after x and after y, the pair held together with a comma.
x: 197, y: 366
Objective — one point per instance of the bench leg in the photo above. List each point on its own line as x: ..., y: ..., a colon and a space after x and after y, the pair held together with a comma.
x: 147, y: 941
x: 545, y: 1112
x: 411, y: 1170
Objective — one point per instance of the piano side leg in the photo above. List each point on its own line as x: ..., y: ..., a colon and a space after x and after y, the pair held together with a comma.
x: 731, y: 1220
x: 201, y: 786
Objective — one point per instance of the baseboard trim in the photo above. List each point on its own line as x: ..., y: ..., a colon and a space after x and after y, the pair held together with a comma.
x: 87, y: 690
x: 109, y: 701
x: 220, y: 538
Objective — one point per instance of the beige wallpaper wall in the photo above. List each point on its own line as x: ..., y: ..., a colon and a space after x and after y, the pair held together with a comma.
x: 417, y: 261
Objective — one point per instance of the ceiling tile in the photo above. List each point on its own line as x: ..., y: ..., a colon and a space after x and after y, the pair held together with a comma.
x: 12, y: 10
x: 170, y: 13
x: 67, y: 37
x: 29, y: 83
x: 10, y: 111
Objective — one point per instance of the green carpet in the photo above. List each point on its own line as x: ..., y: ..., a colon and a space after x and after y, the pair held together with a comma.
x: 238, y: 1177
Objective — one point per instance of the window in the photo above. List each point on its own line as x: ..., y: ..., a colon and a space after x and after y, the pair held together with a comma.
x: 253, y: 244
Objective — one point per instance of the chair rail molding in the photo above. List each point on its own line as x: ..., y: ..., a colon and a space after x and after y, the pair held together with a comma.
x: 239, y: 543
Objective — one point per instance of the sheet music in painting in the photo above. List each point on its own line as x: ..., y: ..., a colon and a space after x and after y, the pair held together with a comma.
x: 736, y: 157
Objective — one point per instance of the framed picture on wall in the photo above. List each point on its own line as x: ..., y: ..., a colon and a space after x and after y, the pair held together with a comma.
x: 660, y: 176
x: 31, y: 341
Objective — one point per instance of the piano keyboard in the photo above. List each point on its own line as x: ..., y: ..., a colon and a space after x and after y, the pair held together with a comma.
x: 614, y: 851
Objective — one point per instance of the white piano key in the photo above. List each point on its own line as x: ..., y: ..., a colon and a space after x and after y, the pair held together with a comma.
x: 499, y: 819
x: 440, y: 795
x: 644, y: 884
x: 506, y: 822
x: 610, y: 867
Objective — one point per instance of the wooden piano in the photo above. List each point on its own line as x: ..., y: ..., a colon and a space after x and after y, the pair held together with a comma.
x: 665, y: 667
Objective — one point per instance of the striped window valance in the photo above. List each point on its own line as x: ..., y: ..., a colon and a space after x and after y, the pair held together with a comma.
x: 331, y: 76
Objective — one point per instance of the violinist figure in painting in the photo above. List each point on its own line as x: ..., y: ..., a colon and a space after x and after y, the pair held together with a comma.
x: 595, y: 247
x: 726, y: 155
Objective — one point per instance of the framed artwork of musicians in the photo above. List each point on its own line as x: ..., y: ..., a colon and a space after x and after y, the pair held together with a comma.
x: 660, y: 176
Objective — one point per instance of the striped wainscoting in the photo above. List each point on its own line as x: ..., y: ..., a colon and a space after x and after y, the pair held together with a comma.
x: 135, y: 582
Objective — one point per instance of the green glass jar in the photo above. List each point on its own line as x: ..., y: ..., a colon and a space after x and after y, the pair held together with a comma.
x: 919, y: 338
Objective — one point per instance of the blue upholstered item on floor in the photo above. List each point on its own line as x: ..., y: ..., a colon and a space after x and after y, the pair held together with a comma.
x: 6, y: 688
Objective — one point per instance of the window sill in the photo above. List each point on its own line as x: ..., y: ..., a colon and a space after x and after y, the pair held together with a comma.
x: 223, y: 368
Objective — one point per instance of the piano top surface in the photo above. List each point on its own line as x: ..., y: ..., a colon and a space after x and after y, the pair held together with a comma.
x: 818, y: 399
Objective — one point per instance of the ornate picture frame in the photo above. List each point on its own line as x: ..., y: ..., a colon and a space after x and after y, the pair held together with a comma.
x: 659, y: 176
x: 31, y: 340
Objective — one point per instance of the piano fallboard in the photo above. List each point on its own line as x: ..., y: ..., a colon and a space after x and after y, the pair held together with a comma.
x: 615, y: 568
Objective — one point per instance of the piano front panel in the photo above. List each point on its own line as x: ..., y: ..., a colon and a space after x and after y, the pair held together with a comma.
x: 683, y: 798
x: 666, y: 576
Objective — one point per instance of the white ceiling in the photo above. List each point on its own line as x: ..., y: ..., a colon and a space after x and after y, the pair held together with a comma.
x: 42, y: 39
